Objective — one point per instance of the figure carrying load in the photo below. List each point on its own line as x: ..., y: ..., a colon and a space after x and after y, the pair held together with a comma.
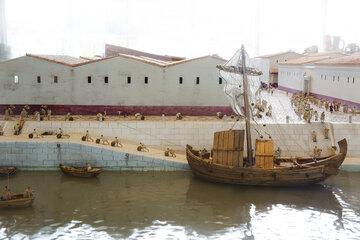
x: 169, y: 153
x: 116, y: 143
x: 142, y: 148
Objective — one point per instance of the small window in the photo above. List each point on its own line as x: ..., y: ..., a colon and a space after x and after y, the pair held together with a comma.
x: 89, y: 79
x: 180, y: 80
x: 220, y: 80
x: 38, y: 79
x: 338, y: 78
x: 197, y: 80
x: 128, y: 80
x: 353, y: 79
x: 16, y: 79
x: 55, y: 79
x: 277, y: 61
x: 146, y: 80
x: 348, y: 79
x: 106, y: 79
x: 325, y: 77
x: 333, y: 78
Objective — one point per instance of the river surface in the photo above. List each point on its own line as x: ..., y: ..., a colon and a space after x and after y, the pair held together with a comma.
x: 176, y: 205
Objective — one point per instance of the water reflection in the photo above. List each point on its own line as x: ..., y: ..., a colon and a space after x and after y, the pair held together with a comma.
x: 177, y: 206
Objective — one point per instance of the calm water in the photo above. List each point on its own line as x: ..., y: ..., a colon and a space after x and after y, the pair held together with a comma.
x: 179, y: 206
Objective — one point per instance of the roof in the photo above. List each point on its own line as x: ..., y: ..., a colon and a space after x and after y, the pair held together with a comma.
x: 75, y: 62
x: 277, y: 54
x: 346, y: 60
x: 113, y: 50
x: 62, y: 59
x: 312, y: 58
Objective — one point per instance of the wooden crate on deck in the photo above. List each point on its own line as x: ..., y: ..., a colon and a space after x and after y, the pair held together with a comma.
x: 229, y: 140
x: 264, y: 153
x: 228, y: 157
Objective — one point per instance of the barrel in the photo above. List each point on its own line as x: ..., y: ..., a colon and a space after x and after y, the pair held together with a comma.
x: 31, y: 135
x: 83, y: 138
x: 59, y: 135
x: 97, y: 140
x: 112, y: 143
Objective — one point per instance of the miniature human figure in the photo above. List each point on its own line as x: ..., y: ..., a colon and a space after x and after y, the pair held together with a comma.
x: 138, y: 115
x: 345, y: 108
x: 88, y: 138
x: 17, y: 129
x: 117, y: 142
x: 88, y: 167
x: 60, y: 133
x: 68, y: 116
x: 142, y: 147
x: 353, y: 111
x: 11, y: 110
x: 169, y: 153
x: 7, y: 194
x: 7, y: 114
x: 331, y: 108
x: 350, y: 118
x: 163, y: 117
x: 179, y: 116
x: 219, y: 115
x: 23, y: 113
x: 43, y: 110
x: 316, y: 115
x: 103, y: 140
x: 100, y: 117
x: 258, y: 114
x: 37, y: 116
x: 269, y: 112
x: 287, y: 119
x: 105, y: 114
x: 1, y: 130
x: 322, y: 117
x: 326, y: 133
x: 317, y: 152
x: 36, y: 134
x: 313, y: 136
x: 48, y: 116
x: 28, y: 193
x: 203, y: 153
x: 277, y: 153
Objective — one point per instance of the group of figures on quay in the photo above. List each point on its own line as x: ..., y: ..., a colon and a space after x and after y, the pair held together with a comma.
x: 302, y: 104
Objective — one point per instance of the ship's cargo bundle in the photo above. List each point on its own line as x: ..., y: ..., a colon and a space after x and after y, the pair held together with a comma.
x: 264, y: 155
x: 228, y: 157
x: 228, y: 148
x: 229, y: 140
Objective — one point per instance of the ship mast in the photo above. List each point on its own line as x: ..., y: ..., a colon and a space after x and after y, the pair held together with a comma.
x: 247, y: 109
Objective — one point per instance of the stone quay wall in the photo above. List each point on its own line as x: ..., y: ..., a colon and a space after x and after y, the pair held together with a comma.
x: 48, y: 155
x: 293, y: 139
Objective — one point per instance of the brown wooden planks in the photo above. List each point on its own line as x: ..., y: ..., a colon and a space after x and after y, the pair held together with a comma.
x: 264, y: 154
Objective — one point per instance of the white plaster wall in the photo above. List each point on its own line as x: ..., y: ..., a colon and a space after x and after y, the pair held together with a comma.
x: 27, y: 90
x: 336, y: 83
x: 291, y: 76
x: 73, y: 87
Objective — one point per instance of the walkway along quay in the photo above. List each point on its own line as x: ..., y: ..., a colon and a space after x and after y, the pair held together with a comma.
x: 45, y: 153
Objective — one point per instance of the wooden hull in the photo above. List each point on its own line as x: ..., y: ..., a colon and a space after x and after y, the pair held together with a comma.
x: 282, y: 176
x: 79, y: 171
x: 5, y: 171
x: 18, y: 201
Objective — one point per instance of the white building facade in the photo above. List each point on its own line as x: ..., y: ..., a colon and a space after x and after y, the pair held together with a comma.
x: 119, y: 83
x: 333, y: 78
x: 268, y: 64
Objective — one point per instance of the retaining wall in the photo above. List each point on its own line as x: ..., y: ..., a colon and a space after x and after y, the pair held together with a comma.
x: 48, y: 155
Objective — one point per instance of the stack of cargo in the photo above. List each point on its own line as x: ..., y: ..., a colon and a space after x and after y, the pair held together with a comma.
x: 264, y: 156
x: 228, y: 148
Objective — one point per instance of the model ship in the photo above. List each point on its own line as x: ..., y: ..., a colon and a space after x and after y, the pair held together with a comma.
x: 227, y: 164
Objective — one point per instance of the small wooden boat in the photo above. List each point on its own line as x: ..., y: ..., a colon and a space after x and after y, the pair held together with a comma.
x: 17, y: 201
x: 5, y: 171
x: 80, y: 171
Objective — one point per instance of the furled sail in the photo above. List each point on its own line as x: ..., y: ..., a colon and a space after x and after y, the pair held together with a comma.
x: 232, y: 72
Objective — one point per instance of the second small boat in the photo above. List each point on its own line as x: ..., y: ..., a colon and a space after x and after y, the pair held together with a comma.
x: 82, y: 172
